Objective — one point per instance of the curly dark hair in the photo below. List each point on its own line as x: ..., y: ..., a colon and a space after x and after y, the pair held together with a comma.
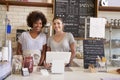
x: 35, y: 16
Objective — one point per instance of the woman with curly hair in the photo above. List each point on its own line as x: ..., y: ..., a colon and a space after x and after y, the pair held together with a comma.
x: 33, y: 42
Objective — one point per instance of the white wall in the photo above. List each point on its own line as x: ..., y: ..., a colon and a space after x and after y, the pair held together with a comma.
x: 113, y: 3
x: 109, y: 15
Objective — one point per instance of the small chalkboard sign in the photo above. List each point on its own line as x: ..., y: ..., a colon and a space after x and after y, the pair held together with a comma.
x: 92, y: 49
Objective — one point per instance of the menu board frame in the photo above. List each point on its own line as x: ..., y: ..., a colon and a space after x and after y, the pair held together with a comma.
x: 73, y: 13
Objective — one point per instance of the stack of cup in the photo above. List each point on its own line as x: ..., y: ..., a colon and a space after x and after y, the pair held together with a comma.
x: 5, y: 54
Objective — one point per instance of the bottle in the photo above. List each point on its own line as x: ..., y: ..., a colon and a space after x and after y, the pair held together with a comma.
x: 28, y: 63
x: 8, y: 27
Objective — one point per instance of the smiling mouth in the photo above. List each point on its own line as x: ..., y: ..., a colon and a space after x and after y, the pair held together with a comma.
x: 37, y: 28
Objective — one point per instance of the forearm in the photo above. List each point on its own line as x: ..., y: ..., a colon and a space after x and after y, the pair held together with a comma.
x: 43, y: 54
x: 41, y: 59
x: 72, y: 56
x: 19, y: 49
x: 72, y: 52
x: 19, y: 52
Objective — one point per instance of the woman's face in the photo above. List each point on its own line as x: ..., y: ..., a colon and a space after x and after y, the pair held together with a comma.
x: 57, y: 25
x: 37, y: 25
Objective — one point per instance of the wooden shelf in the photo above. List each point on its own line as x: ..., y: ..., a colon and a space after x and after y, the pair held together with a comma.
x: 20, y: 3
x: 109, y: 8
x: 114, y: 27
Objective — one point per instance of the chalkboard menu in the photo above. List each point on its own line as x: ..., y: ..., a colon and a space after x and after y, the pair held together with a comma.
x: 73, y: 13
x: 92, y: 49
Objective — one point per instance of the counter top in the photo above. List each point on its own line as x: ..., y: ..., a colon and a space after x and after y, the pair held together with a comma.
x: 5, y: 69
x: 72, y: 73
